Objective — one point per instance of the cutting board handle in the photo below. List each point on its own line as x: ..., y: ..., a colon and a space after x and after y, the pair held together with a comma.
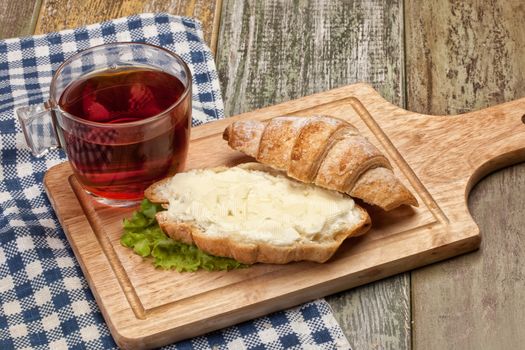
x: 445, y: 148
x: 494, y: 138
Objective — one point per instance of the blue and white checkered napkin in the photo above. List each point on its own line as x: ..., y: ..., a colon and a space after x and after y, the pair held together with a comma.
x: 45, y: 300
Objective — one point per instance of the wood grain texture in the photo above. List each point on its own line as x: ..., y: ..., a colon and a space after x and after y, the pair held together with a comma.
x: 367, y: 325
x: 476, y: 301
x: 463, y: 56
x: 274, y: 51
x: 61, y: 14
x: 18, y: 17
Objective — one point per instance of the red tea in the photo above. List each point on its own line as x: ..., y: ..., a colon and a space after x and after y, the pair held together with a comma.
x: 120, y: 162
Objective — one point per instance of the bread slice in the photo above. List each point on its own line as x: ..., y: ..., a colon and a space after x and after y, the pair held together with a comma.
x: 324, y: 150
x: 264, y: 216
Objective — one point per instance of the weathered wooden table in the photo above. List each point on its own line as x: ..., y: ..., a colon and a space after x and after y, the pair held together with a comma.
x: 439, y: 57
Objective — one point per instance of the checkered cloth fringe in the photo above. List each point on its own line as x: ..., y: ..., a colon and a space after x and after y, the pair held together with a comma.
x: 45, y: 301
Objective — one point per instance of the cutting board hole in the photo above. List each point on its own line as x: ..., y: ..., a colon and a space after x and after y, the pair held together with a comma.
x: 523, y: 119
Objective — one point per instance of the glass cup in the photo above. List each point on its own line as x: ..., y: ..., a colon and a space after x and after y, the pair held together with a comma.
x: 122, y: 113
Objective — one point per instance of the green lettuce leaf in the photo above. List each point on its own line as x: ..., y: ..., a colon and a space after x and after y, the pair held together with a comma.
x: 143, y: 234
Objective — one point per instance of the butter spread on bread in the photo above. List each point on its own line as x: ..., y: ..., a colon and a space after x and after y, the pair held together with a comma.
x: 253, y: 213
x: 327, y: 151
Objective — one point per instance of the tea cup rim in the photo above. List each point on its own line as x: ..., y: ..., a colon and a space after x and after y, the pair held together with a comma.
x: 53, y: 104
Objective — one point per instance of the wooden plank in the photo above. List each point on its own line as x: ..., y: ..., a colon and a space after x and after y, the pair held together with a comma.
x: 264, y: 59
x: 365, y: 314
x: 18, y: 17
x: 463, y: 56
x: 60, y: 14
x: 274, y: 51
x: 476, y: 301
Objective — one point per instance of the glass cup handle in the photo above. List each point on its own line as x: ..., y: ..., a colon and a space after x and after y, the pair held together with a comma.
x: 38, y: 125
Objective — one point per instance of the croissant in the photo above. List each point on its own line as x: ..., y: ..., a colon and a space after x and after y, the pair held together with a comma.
x: 326, y: 151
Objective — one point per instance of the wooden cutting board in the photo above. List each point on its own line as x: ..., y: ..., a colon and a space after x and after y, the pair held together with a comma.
x: 439, y: 158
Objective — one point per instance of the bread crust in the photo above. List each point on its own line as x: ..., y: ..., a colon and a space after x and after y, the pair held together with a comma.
x: 380, y: 185
x: 156, y: 193
x: 246, y: 138
x: 250, y: 252
x: 306, y: 155
x: 259, y: 252
x: 327, y: 151
x: 277, y: 141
